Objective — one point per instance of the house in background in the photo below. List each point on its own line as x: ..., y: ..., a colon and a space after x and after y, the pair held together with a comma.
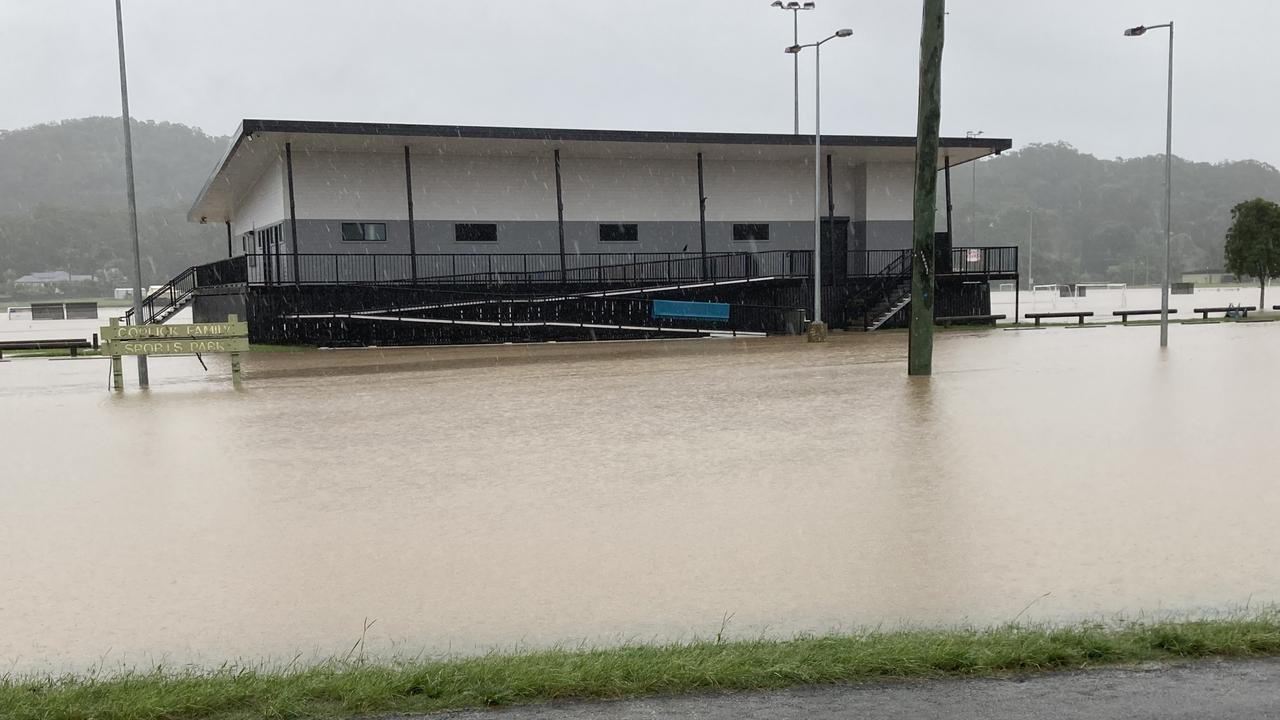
x: 53, y: 279
x: 347, y: 219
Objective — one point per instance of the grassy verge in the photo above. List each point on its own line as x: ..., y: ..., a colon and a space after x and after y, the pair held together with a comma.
x: 345, y: 688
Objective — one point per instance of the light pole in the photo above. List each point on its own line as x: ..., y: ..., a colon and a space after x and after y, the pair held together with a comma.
x: 1168, y: 181
x: 794, y: 8
x: 818, y: 327
x: 973, y: 213
x: 133, y: 204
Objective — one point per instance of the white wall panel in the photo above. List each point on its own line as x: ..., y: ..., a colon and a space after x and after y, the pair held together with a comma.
x: 449, y: 187
x: 745, y: 190
x: 890, y: 188
x: 627, y: 189
x: 349, y: 186
x: 264, y: 204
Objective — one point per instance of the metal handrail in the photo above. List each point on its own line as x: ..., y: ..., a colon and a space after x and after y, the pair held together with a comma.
x: 897, y: 269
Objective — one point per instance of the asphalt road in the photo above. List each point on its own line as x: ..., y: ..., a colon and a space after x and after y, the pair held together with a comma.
x: 1241, y: 690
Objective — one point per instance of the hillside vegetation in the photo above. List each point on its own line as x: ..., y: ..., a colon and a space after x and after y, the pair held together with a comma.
x: 1103, y: 220
x: 62, y: 205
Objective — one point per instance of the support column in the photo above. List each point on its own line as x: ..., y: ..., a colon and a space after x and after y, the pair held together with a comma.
x: 408, y: 193
x: 946, y: 172
x: 929, y: 113
x: 229, y: 253
x: 293, y: 211
x: 830, y: 262
x: 560, y: 216
x: 702, y: 218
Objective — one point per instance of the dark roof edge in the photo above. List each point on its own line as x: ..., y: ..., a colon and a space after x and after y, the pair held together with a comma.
x: 639, y: 136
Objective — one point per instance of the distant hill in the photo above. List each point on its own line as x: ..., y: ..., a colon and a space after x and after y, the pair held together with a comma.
x: 1103, y: 220
x: 63, y: 206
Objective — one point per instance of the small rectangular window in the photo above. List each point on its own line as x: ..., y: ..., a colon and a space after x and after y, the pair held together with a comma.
x: 475, y: 232
x: 747, y: 232
x: 619, y: 232
x: 364, y: 232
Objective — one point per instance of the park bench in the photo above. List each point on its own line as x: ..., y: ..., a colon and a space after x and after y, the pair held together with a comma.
x: 1124, y: 314
x: 967, y: 320
x: 75, y: 345
x: 1081, y: 315
x: 1244, y: 310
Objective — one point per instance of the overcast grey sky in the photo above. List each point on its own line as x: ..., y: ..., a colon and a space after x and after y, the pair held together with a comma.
x: 1032, y: 70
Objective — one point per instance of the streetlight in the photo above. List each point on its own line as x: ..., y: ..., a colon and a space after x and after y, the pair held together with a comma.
x: 1168, y: 180
x: 973, y: 214
x: 794, y: 8
x: 133, y: 204
x: 817, y: 173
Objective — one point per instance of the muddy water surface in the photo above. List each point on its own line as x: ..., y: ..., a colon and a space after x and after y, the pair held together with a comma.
x: 467, y: 498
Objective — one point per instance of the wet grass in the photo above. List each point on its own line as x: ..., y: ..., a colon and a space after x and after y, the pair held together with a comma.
x: 355, y: 687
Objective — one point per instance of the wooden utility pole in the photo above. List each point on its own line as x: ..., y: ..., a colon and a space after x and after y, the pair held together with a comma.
x: 920, y: 343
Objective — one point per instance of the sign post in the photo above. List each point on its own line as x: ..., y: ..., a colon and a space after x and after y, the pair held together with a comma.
x: 230, y: 337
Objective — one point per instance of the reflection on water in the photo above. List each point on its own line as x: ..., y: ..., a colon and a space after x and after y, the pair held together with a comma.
x: 471, y: 497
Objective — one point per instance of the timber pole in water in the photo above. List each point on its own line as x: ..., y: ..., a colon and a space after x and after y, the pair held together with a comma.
x: 920, y: 343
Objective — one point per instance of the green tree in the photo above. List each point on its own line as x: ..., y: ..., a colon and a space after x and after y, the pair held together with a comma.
x: 1253, y: 242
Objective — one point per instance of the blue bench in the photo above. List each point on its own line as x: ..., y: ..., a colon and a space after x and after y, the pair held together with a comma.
x: 690, y: 310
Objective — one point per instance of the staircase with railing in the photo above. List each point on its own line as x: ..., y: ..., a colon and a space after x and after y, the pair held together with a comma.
x: 883, y: 294
x: 178, y: 293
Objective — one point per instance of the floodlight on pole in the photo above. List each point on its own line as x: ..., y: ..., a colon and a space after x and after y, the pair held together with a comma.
x: 973, y: 213
x: 817, y: 173
x: 1168, y: 180
x: 794, y: 8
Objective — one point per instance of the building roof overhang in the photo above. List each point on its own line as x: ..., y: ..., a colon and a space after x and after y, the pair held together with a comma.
x: 258, y: 142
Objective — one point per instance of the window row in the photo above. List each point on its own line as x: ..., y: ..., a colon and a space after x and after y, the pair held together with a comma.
x: 488, y: 232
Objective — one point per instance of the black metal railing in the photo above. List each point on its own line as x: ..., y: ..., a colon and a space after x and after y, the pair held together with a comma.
x: 231, y: 271
x: 881, y: 288
x: 873, y: 262
x: 173, y: 294
x: 1001, y: 260
x: 521, y: 268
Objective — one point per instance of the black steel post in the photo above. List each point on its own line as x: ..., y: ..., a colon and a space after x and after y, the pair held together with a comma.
x: 560, y: 215
x: 946, y: 171
x: 228, y: 223
x: 831, y: 224
x: 408, y: 192
x: 293, y: 211
x: 702, y: 218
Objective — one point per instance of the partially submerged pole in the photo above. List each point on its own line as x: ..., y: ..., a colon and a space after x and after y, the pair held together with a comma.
x: 143, y: 380
x: 920, y: 343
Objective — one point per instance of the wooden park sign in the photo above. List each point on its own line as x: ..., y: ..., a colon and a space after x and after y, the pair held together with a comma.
x: 119, y: 340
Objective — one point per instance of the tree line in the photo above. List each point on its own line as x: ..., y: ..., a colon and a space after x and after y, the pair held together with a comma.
x: 1088, y: 219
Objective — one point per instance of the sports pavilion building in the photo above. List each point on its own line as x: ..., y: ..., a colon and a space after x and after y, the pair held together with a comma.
x: 364, y: 233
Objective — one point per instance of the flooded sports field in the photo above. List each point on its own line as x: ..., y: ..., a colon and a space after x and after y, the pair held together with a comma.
x: 461, y: 499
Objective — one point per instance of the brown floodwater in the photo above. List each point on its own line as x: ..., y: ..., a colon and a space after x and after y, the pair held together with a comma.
x: 462, y: 499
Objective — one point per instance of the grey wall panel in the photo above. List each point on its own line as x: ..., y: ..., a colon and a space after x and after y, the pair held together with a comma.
x: 540, y: 236
x: 325, y: 236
